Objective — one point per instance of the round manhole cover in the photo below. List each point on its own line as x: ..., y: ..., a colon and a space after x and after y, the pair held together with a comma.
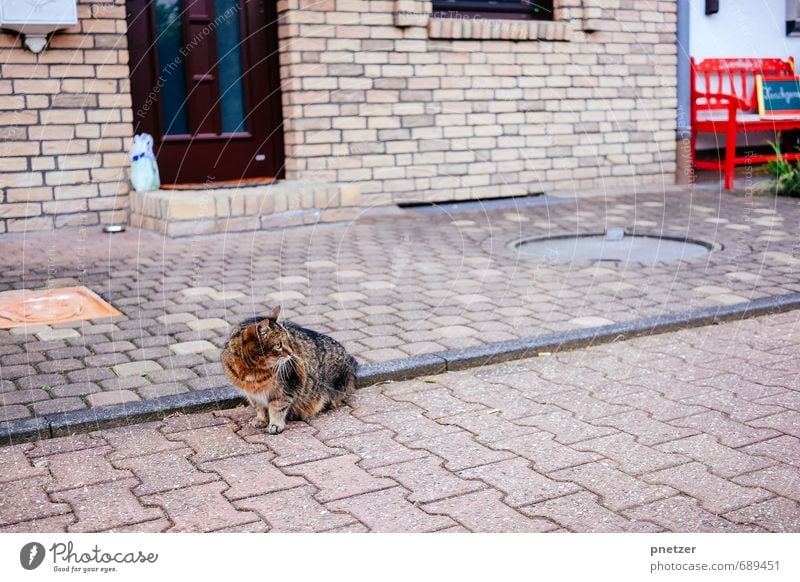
x: 614, y: 246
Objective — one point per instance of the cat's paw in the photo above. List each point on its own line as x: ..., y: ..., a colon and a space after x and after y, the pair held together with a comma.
x: 274, y: 429
x: 258, y: 423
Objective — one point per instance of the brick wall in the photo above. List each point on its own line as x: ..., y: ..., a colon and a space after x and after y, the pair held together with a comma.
x: 377, y: 94
x: 65, y: 124
x: 418, y: 108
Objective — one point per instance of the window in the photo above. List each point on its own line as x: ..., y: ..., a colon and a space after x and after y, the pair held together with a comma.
x: 516, y: 9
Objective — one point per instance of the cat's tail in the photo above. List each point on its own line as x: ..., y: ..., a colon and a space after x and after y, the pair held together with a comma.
x: 353, y: 364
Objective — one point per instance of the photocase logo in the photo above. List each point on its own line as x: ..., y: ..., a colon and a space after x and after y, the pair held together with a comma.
x: 31, y: 555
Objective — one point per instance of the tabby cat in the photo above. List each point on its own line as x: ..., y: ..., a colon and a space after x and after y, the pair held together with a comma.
x: 286, y: 371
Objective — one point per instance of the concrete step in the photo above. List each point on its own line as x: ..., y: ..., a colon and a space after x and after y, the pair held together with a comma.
x: 179, y: 213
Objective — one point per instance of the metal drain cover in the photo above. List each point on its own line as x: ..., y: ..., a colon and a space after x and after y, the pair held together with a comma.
x: 613, y: 246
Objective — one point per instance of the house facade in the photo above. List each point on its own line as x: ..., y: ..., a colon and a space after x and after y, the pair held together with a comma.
x: 342, y: 103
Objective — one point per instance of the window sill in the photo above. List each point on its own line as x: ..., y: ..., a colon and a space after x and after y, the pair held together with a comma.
x: 499, y: 29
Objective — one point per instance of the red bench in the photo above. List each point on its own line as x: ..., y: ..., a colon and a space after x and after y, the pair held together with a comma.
x: 724, y: 101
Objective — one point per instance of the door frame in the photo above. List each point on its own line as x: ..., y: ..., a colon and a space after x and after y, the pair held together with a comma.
x: 262, y: 84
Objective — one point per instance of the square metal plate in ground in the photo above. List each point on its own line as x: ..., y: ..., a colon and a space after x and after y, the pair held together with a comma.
x: 46, y: 306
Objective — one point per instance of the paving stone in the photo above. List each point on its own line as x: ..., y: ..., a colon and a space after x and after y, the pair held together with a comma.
x: 565, y: 426
x: 487, y: 426
x: 658, y: 407
x: 56, y: 334
x: 647, y: 430
x: 585, y: 406
x: 786, y: 422
x: 200, y: 508
x: 682, y: 514
x: 55, y: 524
x: 78, y: 442
x: 582, y: 512
x: 137, y: 440
x: 226, y: 295
x: 376, y: 448
x: 715, y: 494
x: 251, y: 475
x: 338, y: 477
x: 389, y: 511
x: 729, y: 432
x: 196, y: 291
x: 409, y: 424
x: 339, y: 423
x: 110, y: 398
x: 112, y: 347
x: 171, y: 318
x: 164, y: 471
x: 295, y: 510
x: 193, y: 347
x: 29, y: 501
x: 136, y: 368
x: 547, y: 455
x: 630, y: 456
x: 723, y: 461
x: 58, y: 405
x: 426, y: 479
x: 59, y: 366
x: 775, y: 515
x: 781, y: 479
x: 19, y: 371
x: 153, y: 526
x: 788, y: 399
x: 520, y: 484
x: 82, y: 468
x: 483, y: 511
x: 460, y: 450
x: 178, y: 422
x: 13, y: 412
x: 215, y: 442
x: 14, y: 464
x: 90, y: 375
x: 737, y: 409
x: 783, y: 448
x: 617, y: 490
x: 369, y: 401
x: 438, y: 403
x: 157, y: 390
x: 298, y: 445
x: 24, y: 397
x: 211, y: 323
x: 509, y: 403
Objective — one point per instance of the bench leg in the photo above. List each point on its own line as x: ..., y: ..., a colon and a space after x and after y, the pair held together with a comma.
x: 730, y: 158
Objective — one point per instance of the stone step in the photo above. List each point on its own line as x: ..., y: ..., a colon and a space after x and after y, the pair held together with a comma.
x: 179, y: 213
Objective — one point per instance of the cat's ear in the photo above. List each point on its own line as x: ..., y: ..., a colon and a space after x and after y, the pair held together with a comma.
x: 273, y: 315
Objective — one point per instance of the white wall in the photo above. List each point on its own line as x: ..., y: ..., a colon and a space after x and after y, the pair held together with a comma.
x: 741, y: 28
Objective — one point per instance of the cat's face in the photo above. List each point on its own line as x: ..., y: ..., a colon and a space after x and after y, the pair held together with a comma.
x: 259, y: 343
x: 256, y: 349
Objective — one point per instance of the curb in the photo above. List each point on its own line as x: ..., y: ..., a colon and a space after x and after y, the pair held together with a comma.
x: 223, y: 397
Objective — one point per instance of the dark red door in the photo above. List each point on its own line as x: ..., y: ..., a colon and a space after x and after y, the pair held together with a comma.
x: 205, y: 83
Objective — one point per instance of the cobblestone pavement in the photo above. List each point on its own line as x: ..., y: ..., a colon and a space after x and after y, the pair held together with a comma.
x: 697, y: 430
x: 388, y: 286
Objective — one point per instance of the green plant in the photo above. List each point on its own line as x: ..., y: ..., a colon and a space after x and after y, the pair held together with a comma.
x: 785, y: 174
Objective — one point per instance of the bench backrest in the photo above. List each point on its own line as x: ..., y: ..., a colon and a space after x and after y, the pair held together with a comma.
x: 735, y: 77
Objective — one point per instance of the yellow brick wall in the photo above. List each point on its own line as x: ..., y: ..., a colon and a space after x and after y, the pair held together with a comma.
x: 65, y: 124
x: 376, y: 93
x: 414, y: 108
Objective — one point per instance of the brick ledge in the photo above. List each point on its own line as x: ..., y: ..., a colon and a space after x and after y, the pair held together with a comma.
x: 483, y: 29
x: 179, y: 213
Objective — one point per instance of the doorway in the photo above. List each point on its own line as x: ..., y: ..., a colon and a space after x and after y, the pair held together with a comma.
x: 205, y: 83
